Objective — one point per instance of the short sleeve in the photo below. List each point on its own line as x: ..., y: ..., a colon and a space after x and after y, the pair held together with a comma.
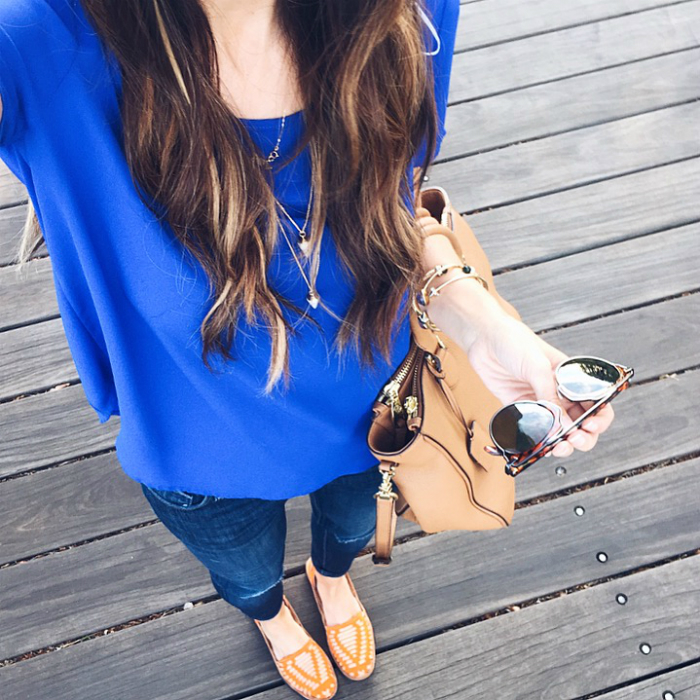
x: 442, y: 43
x: 11, y: 69
x: 35, y: 54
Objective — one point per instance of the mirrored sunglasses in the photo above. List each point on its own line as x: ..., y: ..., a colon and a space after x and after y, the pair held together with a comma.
x: 524, y: 431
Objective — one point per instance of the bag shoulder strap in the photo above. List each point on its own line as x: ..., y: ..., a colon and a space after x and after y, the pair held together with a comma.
x: 386, y: 517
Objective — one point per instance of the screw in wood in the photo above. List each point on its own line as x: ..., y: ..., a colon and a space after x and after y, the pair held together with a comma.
x: 621, y: 598
x: 601, y: 557
x: 560, y: 471
x: 668, y: 695
x: 579, y: 510
x: 645, y: 648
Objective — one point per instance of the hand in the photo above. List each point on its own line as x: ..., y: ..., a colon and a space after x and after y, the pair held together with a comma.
x: 515, y: 364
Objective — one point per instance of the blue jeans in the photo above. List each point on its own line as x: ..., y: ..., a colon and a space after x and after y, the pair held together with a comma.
x: 241, y: 541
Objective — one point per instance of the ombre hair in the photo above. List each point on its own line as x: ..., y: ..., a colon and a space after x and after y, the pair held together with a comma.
x: 369, y: 103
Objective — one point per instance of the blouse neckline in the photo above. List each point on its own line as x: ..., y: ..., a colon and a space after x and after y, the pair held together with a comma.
x: 271, y: 121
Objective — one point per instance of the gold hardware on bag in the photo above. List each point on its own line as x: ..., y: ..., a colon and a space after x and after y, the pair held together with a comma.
x: 386, y: 488
x: 390, y: 397
x: 411, y: 406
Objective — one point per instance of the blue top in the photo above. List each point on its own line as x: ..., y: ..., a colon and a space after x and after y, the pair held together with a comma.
x: 132, y: 299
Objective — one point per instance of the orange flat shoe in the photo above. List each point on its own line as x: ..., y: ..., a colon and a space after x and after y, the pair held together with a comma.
x: 308, y: 671
x: 352, y: 643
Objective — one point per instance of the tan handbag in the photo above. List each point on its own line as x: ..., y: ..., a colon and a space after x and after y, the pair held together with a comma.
x: 431, y: 448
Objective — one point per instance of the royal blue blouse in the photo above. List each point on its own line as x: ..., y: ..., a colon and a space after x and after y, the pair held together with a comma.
x: 132, y: 299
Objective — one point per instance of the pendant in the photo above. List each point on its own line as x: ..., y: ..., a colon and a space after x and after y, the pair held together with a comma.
x: 303, y: 243
x: 313, y: 298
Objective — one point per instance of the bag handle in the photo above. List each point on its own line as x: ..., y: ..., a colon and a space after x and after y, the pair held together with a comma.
x: 436, y: 202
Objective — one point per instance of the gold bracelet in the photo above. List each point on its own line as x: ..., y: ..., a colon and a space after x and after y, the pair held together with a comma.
x: 437, y: 271
x: 440, y: 269
x: 435, y: 291
x: 424, y: 295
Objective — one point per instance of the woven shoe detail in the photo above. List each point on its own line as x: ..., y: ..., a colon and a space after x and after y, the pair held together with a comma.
x: 351, y: 643
x: 308, y: 671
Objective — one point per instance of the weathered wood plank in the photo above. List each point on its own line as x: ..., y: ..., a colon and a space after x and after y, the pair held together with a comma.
x: 605, y: 279
x: 76, y: 502
x: 580, y: 101
x: 572, y: 159
x: 45, y: 510
x: 626, y: 519
x: 507, y: 20
x: 11, y: 223
x: 684, y: 684
x: 35, y: 358
x: 556, y: 55
x: 583, y: 217
x: 28, y: 294
x: 69, y: 429
x: 12, y: 191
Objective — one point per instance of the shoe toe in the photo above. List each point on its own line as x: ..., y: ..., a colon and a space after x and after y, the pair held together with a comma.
x: 309, y: 672
x: 352, y: 646
x: 351, y: 643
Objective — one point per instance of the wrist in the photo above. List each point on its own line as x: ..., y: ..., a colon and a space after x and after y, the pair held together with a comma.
x: 463, y: 310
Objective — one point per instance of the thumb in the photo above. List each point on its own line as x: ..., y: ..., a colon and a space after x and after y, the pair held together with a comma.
x: 544, y: 386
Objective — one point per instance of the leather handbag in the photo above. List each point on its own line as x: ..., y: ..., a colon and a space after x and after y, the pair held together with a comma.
x: 430, y: 423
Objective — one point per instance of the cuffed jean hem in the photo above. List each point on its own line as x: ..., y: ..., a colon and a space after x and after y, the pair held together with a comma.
x: 260, y: 606
x: 333, y: 557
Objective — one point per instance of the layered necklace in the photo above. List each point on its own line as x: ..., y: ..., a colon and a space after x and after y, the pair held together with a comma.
x: 302, y: 243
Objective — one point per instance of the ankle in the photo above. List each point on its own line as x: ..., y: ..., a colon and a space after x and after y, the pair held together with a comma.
x: 330, y: 582
x: 284, y: 633
x: 281, y: 619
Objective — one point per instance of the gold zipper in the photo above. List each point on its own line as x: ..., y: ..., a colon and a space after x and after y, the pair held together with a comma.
x: 390, y: 393
x: 411, y: 402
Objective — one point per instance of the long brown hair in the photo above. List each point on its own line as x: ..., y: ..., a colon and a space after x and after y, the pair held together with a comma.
x: 368, y: 104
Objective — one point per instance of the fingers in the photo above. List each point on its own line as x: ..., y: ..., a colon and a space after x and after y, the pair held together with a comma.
x: 585, y: 437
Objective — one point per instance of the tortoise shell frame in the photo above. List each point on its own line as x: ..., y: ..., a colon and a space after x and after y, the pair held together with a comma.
x: 518, y: 462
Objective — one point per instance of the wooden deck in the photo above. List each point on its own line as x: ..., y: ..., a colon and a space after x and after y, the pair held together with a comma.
x: 574, y: 149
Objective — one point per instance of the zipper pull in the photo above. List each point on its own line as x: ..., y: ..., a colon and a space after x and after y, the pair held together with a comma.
x: 389, y: 389
x: 390, y: 397
x: 411, y: 406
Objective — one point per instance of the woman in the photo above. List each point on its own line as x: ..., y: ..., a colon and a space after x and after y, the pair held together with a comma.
x: 226, y: 191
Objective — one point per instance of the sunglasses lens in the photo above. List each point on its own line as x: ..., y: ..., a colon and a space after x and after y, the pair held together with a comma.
x: 521, y: 426
x: 586, y: 378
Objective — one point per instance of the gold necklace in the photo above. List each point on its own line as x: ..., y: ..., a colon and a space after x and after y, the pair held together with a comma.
x: 302, y: 240
x: 313, y: 297
x: 275, y: 153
